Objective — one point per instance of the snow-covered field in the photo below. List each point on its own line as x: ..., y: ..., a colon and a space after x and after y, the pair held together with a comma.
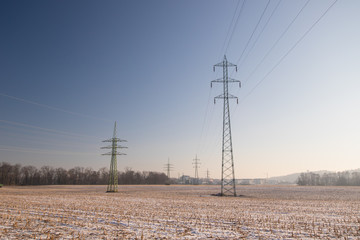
x: 179, y: 212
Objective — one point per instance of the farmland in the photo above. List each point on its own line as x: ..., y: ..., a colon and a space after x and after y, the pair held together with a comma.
x: 179, y: 212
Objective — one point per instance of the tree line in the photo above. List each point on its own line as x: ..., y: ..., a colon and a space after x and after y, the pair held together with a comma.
x: 46, y: 175
x: 345, y: 178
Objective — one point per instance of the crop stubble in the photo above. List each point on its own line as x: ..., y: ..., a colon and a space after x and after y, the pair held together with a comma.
x: 182, y: 212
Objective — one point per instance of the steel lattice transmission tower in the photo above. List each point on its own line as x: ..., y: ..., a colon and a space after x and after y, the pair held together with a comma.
x: 168, y: 167
x: 113, y: 175
x: 207, y: 176
x: 227, y: 167
x: 196, y: 163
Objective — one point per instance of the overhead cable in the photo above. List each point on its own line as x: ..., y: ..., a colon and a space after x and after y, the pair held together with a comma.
x: 289, y: 51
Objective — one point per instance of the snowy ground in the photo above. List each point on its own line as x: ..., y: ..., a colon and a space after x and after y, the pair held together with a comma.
x: 179, y: 212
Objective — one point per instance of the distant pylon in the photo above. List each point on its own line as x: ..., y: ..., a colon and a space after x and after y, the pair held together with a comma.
x: 196, y: 163
x: 227, y: 166
x: 113, y: 174
x: 207, y: 176
x: 168, y: 168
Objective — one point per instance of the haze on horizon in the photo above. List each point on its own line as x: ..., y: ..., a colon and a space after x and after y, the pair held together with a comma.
x: 70, y: 69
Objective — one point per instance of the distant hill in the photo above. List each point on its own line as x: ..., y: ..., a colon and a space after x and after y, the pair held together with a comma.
x: 355, y: 170
x: 292, y: 178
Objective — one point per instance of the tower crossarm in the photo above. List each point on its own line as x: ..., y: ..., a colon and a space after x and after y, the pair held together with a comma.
x: 225, y: 63
x: 221, y: 80
x: 111, y: 147
x: 221, y: 96
x: 114, y: 140
x: 111, y: 153
x: 168, y: 166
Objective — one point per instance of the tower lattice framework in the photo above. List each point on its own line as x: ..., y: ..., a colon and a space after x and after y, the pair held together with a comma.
x: 227, y: 166
x: 196, y: 163
x: 168, y: 167
x: 113, y: 174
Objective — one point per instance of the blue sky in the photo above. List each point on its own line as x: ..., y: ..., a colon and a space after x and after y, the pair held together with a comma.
x: 69, y: 69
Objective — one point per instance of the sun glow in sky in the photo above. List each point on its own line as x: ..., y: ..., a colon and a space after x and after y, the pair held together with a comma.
x: 70, y: 69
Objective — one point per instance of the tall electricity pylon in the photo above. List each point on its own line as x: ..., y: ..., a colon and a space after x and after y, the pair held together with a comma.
x: 227, y: 166
x: 196, y: 163
x: 168, y: 168
x: 113, y: 175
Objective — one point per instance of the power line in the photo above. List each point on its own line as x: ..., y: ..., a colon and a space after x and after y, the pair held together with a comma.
x: 237, y: 20
x: 211, y: 146
x: 46, y: 129
x: 290, y: 50
x: 31, y: 133
x: 259, y: 35
x: 233, y: 27
x: 231, y: 23
x: 204, y: 121
x: 277, y: 41
x: 52, y: 108
x: 252, y: 34
x: 273, y: 46
x: 41, y: 151
x: 48, y: 142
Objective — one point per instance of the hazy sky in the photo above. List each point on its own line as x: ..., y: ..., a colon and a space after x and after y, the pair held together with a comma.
x: 69, y: 69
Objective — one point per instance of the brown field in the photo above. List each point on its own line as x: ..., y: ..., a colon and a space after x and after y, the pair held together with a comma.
x: 179, y: 212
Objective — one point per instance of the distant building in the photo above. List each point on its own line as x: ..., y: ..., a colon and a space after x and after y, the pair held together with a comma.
x: 185, y: 179
x: 255, y: 181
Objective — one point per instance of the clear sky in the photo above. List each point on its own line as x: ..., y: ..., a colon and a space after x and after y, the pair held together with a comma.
x: 69, y: 69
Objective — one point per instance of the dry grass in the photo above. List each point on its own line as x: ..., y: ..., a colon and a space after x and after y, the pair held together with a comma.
x: 180, y: 212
